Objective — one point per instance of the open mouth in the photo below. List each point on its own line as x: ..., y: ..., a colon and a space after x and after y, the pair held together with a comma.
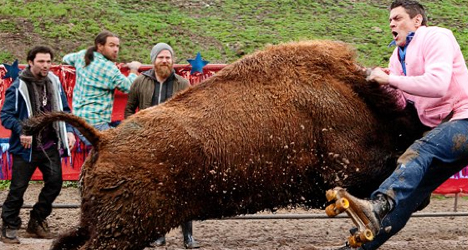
x: 395, y: 35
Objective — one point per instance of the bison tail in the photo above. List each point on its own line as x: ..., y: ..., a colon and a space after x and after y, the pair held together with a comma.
x: 35, y: 124
x: 71, y: 240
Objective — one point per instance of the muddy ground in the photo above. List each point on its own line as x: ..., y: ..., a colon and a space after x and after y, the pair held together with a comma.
x: 309, y: 234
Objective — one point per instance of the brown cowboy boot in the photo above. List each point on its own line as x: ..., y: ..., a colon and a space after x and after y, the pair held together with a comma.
x: 375, y: 209
x: 39, y: 228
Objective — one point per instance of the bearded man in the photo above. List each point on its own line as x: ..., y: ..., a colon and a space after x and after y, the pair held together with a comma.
x: 151, y: 88
x: 156, y: 85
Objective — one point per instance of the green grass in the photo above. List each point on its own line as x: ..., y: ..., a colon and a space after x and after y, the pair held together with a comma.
x: 6, y: 184
x: 443, y: 197
x: 439, y: 197
x: 70, y: 184
x: 222, y: 30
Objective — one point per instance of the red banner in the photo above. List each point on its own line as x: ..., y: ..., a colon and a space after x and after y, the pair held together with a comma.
x: 456, y: 184
x: 71, y: 166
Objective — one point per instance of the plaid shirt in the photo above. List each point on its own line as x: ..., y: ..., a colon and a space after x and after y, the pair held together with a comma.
x: 93, y: 95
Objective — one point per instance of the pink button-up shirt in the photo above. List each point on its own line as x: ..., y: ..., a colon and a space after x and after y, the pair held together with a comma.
x: 437, y: 76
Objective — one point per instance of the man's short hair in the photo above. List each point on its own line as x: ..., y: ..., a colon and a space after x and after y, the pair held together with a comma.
x: 413, y: 8
x: 39, y: 49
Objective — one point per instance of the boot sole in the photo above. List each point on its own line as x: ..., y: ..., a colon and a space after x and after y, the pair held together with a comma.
x: 191, y: 246
x: 157, y: 244
x: 360, y: 213
x: 10, y: 241
x: 37, y: 236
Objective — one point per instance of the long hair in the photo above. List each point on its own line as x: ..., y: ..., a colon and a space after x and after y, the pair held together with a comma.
x: 101, y: 38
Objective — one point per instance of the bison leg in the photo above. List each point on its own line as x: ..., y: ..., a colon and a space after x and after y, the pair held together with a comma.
x: 71, y: 240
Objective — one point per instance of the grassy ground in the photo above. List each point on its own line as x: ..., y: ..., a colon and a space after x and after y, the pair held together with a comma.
x: 6, y: 184
x: 222, y: 30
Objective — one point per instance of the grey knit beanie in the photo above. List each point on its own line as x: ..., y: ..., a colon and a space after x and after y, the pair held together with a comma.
x: 158, y: 48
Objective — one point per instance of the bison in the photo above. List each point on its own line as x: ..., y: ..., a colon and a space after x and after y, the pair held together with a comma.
x: 275, y: 129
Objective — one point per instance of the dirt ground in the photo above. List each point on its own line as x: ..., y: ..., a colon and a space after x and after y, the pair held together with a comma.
x: 309, y: 234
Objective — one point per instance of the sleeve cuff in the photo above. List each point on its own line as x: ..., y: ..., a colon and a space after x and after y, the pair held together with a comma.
x: 392, y: 80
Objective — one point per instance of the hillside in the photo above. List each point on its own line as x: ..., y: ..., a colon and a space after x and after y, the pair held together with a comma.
x: 222, y: 30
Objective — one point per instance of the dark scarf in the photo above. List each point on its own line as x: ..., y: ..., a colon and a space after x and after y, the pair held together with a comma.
x: 40, y: 96
x: 37, y: 88
x: 402, y: 50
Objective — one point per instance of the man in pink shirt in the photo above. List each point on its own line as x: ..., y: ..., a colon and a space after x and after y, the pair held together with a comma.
x: 428, y: 69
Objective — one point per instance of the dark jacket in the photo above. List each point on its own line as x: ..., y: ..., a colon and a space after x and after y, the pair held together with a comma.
x: 17, y: 108
x: 143, y: 89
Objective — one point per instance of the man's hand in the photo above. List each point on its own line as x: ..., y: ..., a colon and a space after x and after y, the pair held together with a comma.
x: 133, y: 66
x: 26, y: 140
x: 71, y: 140
x: 379, y: 75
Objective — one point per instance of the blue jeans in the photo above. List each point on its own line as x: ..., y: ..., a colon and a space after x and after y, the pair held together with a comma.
x: 100, y: 127
x: 425, y: 165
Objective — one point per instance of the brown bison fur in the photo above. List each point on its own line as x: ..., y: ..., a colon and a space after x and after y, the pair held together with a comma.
x: 274, y: 129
